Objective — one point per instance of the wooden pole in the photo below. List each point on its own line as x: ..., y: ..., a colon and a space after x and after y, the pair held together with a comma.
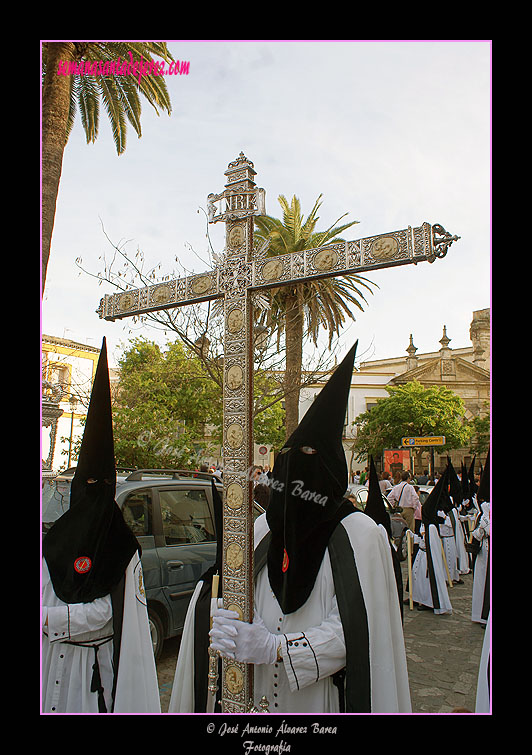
x: 446, y: 564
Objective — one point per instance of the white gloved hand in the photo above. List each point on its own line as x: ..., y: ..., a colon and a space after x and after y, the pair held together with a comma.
x: 248, y: 643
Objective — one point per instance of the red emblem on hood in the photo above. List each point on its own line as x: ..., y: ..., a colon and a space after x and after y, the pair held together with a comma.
x: 82, y: 564
x: 285, y: 561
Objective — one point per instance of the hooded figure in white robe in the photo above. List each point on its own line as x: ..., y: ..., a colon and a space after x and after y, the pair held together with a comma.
x: 446, y: 531
x: 459, y: 536
x: 483, y: 698
x: 429, y: 586
x: 460, y: 558
x: 97, y: 654
x: 327, y: 634
x: 467, y: 513
x: 480, y: 601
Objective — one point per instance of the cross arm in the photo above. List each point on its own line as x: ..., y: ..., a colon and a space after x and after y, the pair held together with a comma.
x: 408, y: 246
x: 174, y: 293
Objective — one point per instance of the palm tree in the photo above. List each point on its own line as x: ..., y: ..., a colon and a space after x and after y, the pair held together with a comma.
x: 64, y: 89
x: 321, y: 303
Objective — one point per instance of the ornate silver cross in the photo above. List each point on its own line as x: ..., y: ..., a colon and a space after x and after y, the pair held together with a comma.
x: 237, y: 275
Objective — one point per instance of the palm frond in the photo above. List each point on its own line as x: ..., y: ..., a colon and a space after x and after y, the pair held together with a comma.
x: 89, y: 106
x: 331, y: 234
x: 117, y: 108
x: 326, y: 303
x: 128, y: 99
x: 120, y: 94
x: 73, y: 105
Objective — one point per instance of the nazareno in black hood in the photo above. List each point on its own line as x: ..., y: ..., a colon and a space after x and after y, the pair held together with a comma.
x: 90, y: 546
x: 308, y: 485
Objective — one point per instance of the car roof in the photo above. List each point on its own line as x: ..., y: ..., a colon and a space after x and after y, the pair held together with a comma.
x: 149, y: 475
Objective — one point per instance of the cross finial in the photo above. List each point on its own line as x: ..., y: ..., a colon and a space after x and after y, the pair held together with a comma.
x: 444, y: 340
x: 241, y: 169
x: 411, y: 348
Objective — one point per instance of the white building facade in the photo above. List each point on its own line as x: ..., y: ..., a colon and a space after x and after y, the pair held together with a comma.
x: 67, y: 373
x: 465, y: 370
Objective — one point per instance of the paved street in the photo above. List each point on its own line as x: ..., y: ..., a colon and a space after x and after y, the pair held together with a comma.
x: 443, y: 656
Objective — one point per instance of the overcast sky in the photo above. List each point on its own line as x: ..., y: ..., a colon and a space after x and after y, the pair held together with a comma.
x: 394, y: 133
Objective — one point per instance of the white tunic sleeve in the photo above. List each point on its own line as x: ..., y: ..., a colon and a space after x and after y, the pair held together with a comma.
x: 70, y: 621
x: 314, y: 654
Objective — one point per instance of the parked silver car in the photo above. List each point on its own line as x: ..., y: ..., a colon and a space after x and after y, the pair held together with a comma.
x: 171, y: 513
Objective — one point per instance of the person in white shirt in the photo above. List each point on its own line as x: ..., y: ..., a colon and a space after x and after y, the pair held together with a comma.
x: 384, y: 483
x: 405, y: 496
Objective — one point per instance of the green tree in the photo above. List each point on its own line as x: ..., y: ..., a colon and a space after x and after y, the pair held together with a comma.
x: 480, y: 431
x: 411, y: 410
x: 321, y: 304
x: 269, y: 414
x: 165, y: 400
x: 64, y: 91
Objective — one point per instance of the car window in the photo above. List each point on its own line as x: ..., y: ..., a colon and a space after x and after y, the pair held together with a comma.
x: 55, y: 500
x: 137, y: 512
x: 186, y: 516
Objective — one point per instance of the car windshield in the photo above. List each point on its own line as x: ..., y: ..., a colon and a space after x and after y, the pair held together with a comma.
x: 55, y: 500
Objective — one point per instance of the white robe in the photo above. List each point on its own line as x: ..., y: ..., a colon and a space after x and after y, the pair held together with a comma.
x: 480, y: 570
x: 421, y: 592
x: 482, y: 703
x: 459, y: 537
x: 449, y: 547
x: 302, y: 683
x: 67, y: 669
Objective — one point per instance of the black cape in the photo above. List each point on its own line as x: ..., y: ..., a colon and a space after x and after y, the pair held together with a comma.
x: 202, y: 613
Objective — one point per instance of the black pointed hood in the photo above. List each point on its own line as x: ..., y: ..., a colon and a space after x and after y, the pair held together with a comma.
x: 309, y: 481
x: 375, y: 507
x: 455, y: 487
x: 473, y: 487
x: 88, y: 549
x: 465, y: 484
x: 438, y: 500
x: 483, y: 492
